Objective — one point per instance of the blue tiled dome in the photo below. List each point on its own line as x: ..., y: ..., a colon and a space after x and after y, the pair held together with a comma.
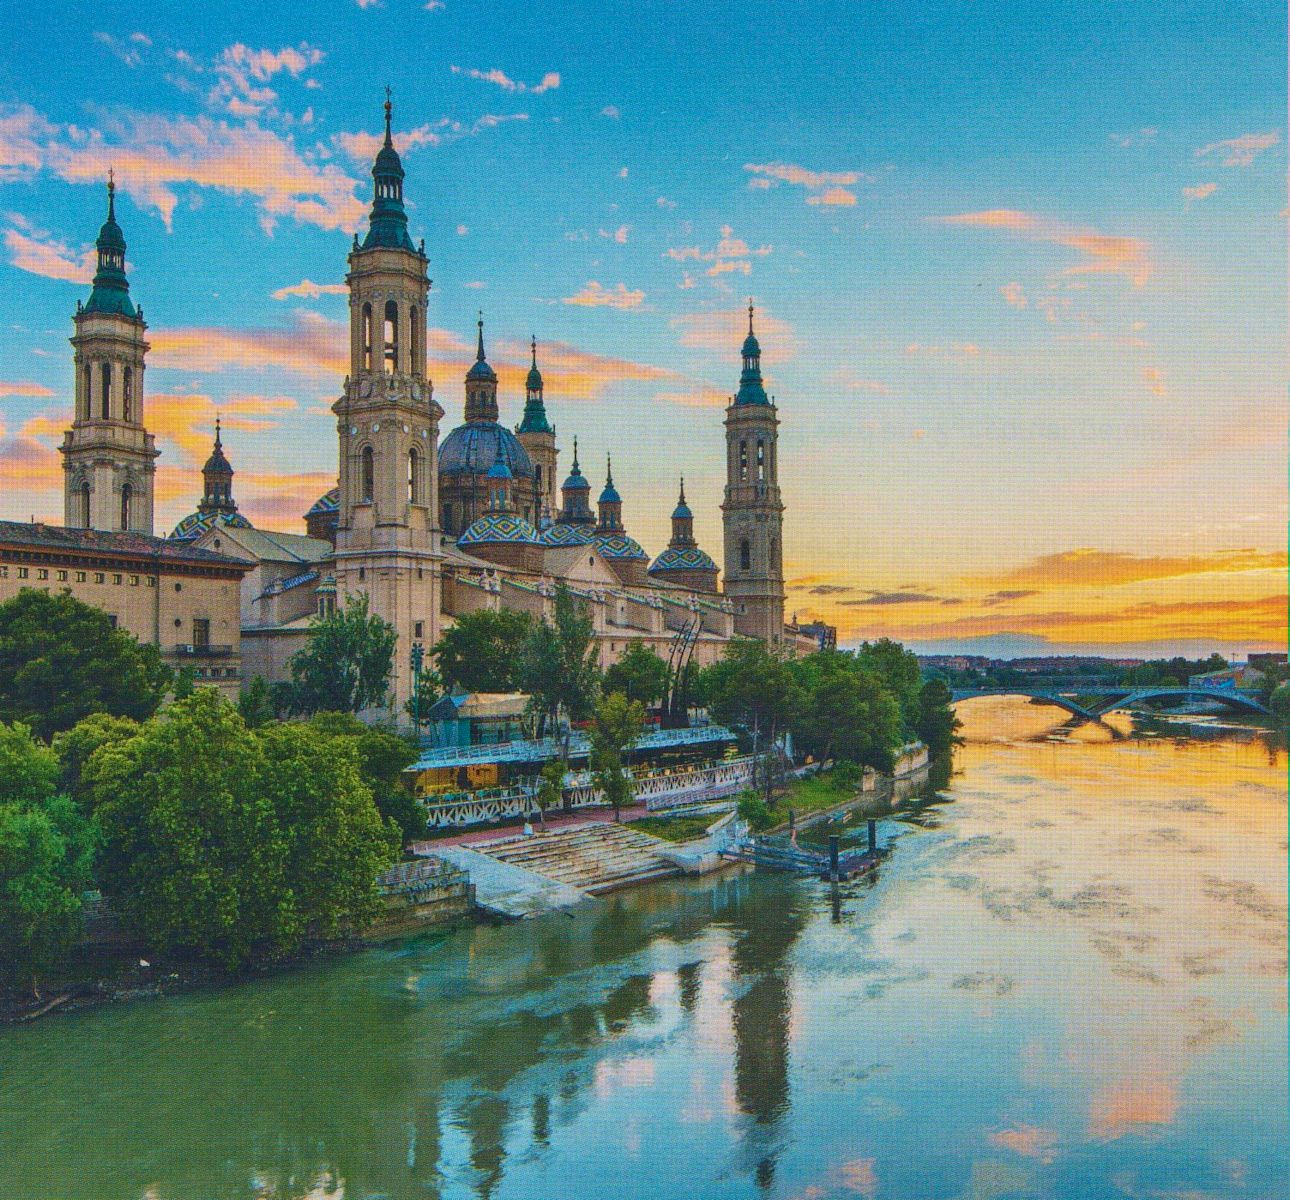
x: 568, y: 535
x: 689, y: 559
x: 328, y: 502
x: 619, y: 545
x: 494, y: 528
x: 481, y: 370
x: 195, y: 524
x: 471, y: 449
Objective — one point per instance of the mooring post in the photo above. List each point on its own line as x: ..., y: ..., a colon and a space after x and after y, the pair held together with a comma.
x: 833, y: 858
x: 873, y: 836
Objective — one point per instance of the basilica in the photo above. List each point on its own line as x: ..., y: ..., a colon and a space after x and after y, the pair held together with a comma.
x: 428, y: 528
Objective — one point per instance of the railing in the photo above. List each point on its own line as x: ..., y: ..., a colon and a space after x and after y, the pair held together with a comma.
x: 545, y: 749
x: 194, y: 650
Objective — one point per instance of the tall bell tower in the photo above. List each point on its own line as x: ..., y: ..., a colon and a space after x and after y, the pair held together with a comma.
x: 109, y: 458
x: 752, y: 513
x: 537, y: 436
x: 387, y: 423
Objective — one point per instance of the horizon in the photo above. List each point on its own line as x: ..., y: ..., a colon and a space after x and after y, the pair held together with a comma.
x: 1020, y: 302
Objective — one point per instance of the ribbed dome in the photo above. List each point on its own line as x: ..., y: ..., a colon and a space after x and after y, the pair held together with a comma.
x: 619, y: 545
x: 689, y: 559
x: 471, y: 449
x: 498, y: 528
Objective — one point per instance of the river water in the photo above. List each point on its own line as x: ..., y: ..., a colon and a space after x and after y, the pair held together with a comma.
x: 1068, y: 980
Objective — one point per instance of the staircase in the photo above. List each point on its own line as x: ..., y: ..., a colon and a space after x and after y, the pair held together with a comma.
x: 594, y: 859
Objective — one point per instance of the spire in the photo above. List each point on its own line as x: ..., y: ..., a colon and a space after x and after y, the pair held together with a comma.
x: 389, y: 220
x: 479, y: 353
x: 217, y: 441
x: 111, y: 292
x: 682, y: 510
x: 611, y: 503
x: 535, y: 420
x: 481, y: 406
x: 682, y: 522
x: 217, y: 477
x: 751, y: 390
x: 750, y: 300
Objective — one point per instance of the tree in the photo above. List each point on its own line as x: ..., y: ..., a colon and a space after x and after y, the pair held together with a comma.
x: 345, y: 666
x: 937, y: 725
x: 640, y: 675
x: 558, y: 663
x: 846, y: 711
x: 185, y: 682
x: 383, y: 757
x: 255, y: 703
x: 898, y: 669
x: 74, y: 747
x: 615, y: 727
x: 550, y: 791
x: 46, y: 852
x: 61, y: 660
x: 1279, y: 703
x: 481, y: 651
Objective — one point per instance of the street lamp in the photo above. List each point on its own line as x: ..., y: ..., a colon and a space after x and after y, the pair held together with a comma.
x: 418, y: 657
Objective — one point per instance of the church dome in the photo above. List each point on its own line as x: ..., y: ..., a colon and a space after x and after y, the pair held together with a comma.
x: 328, y: 502
x: 620, y: 546
x: 195, y: 524
x: 567, y: 535
x: 472, y: 449
x: 499, y: 528
x: 688, y: 559
x: 482, y: 370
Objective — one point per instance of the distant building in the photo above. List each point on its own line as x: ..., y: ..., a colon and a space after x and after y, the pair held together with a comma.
x: 1266, y: 662
x: 1240, y: 675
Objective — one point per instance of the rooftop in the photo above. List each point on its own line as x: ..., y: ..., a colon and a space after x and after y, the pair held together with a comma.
x: 97, y: 541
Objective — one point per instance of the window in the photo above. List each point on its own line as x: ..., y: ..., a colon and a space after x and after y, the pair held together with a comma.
x: 391, y: 337
x: 127, y: 494
x: 367, y: 337
x: 98, y: 577
x: 417, y: 627
x: 179, y: 587
x: 414, y: 341
x: 112, y: 619
x: 62, y: 576
x: 127, y: 394
x: 447, y: 518
x: 117, y: 580
x: 761, y: 461
x: 88, y: 377
x: 201, y: 633
x: 105, y: 398
x: 367, y: 482
x: 537, y: 478
x: 745, y: 555
x: 362, y: 574
x: 80, y: 576
x: 4, y: 572
x: 23, y: 572
x: 134, y: 581
x: 41, y: 573
x: 85, y: 505
x: 419, y: 573
x: 414, y: 477
x: 743, y: 462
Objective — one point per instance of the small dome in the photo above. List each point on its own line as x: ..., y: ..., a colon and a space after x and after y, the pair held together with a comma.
x: 195, y: 524
x: 499, y: 528
x: 619, y: 545
x: 577, y: 481
x: 568, y: 535
x: 610, y: 494
x: 499, y: 469
x: 328, y: 502
x: 752, y: 347
x: 689, y: 559
x: 471, y: 449
x: 481, y: 370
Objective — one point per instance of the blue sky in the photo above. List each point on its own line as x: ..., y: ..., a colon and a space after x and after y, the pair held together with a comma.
x: 1021, y: 272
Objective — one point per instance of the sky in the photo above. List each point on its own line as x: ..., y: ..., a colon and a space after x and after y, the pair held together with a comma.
x: 1019, y: 272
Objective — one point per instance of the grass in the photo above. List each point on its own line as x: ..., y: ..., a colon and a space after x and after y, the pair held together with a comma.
x: 675, y: 829
x: 811, y: 795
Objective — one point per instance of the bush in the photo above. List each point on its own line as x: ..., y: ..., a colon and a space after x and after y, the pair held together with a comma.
x: 752, y: 809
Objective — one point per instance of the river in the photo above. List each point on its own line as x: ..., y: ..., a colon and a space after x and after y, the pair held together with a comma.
x: 1068, y: 980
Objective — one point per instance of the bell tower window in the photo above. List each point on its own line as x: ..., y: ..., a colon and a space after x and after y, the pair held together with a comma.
x: 127, y: 394
x: 761, y: 461
x: 414, y: 341
x: 367, y: 337
x: 743, y: 462
x: 127, y: 494
x: 86, y: 403
x: 745, y: 555
x: 85, y: 505
x: 105, y: 396
x: 414, y: 477
x: 368, y: 478
x: 391, y: 337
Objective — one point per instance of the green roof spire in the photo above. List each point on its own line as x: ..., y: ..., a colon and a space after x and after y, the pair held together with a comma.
x: 111, y: 292
x: 751, y: 390
x: 389, y: 220
x: 535, y: 419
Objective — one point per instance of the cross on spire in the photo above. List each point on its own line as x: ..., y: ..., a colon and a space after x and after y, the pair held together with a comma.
x: 388, y: 110
x: 479, y: 351
x: 750, y: 315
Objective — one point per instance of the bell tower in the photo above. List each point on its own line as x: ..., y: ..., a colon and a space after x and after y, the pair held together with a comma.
x: 109, y: 458
x: 537, y: 436
x: 752, y: 512
x: 388, y: 430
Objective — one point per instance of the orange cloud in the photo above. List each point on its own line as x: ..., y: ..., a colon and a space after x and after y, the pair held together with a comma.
x: 1126, y: 1104
x: 722, y: 331
x: 826, y: 187
x: 1014, y: 294
x: 311, y: 290
x: 1029, y: 1141
x: 50, y: 258
x: 1104, y: 254
x: 315, y: 346
x: 729, y: 254
x: 550, y: 80
x: 698, y: 397
x: 619, y: 296
x: 363, y: 146
x: 24, y: 388
x: 1199, y: 192
x: 1087, y: 567
x: 834, y: 196
x: 571, y: 373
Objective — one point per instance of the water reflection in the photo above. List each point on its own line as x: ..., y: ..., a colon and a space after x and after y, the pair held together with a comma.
x: 1071, y: 968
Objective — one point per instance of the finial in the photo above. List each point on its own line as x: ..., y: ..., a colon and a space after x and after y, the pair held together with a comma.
x: 533, y: 346
x: 575, y: 455
x: 682, y: 489
x: 479, y: 352
x: 217, y: 443
x: 750, y: 315
x: 388, y: 109
x: 111, y: 194
x: 609, y: 469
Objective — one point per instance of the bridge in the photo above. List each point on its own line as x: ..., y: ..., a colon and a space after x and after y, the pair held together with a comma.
x: 1107, y: 698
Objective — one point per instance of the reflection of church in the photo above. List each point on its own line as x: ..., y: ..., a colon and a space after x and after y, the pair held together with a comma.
x: 431, y: 529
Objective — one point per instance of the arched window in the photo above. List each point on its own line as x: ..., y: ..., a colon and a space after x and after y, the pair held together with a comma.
x: 368, y: 476
x: 85, y: 505
x: 447, y: 519
x: 86, y: 408
x: 414, y: 341
x: 391, y: 337
x: 127, y: 394
x: 127, y: 494
x: 414, y: 476
x: 745, y: 556
x: 743, y: 462
x: 537, y: 478
x: 105, y: 398
x: 761, y: 461
x: 367, y: 337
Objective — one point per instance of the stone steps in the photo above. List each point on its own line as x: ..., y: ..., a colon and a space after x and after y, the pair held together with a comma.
x: 595, y: 858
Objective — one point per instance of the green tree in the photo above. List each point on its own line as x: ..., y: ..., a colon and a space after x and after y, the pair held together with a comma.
x: 846, y: 711
x: 74, y: 747
x: 937, y: 725
x: 898, y: 669
x: 46, y: 853
x: 61, y: 660
x: 558, y: 663
x: 640, y: 675
x: 255, y: 703
x: 481, y: 651
x: 184, y: 684
x: 346, y: 664
x: 1279, y: 703
x: 550, y: 793
x: 615, y: 727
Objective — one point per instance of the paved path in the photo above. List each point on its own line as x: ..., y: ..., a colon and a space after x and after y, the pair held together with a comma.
x: 506, y: 889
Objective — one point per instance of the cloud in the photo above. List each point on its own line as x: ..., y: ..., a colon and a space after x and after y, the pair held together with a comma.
x: 852, y: 382
x: 1029, y: 1141
x: 1004, y: 597
x: 313, y: 345
x: 363, y: 146
x: 1104, y: 254
x: 239, y: 69
x: 827, y: 187
x: 1014, y: 294
x: 1088, y: 567
x: 43, y: 255
x: 664, y: 202
x: 1154, y: 378
x: 701, y: 396
x: 187, y: 420
x: 1134, y: 139
x: 129, y: 52
x: 572, y: 373
x: 1240, y: 151
x: 1119, y: 1108
x: 722, y: 332
x: 611, y: 111
x: 892, y: 598
x: 24, y: 388
x: 307, y: 287
x: 595, y: 296
x: 731, y: 254
x: 834, y: 196
x: 967, y: 350
x: 830, y: 589
x: 619, y: 235
x: 1199, y: 192
x: 550, y: 81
